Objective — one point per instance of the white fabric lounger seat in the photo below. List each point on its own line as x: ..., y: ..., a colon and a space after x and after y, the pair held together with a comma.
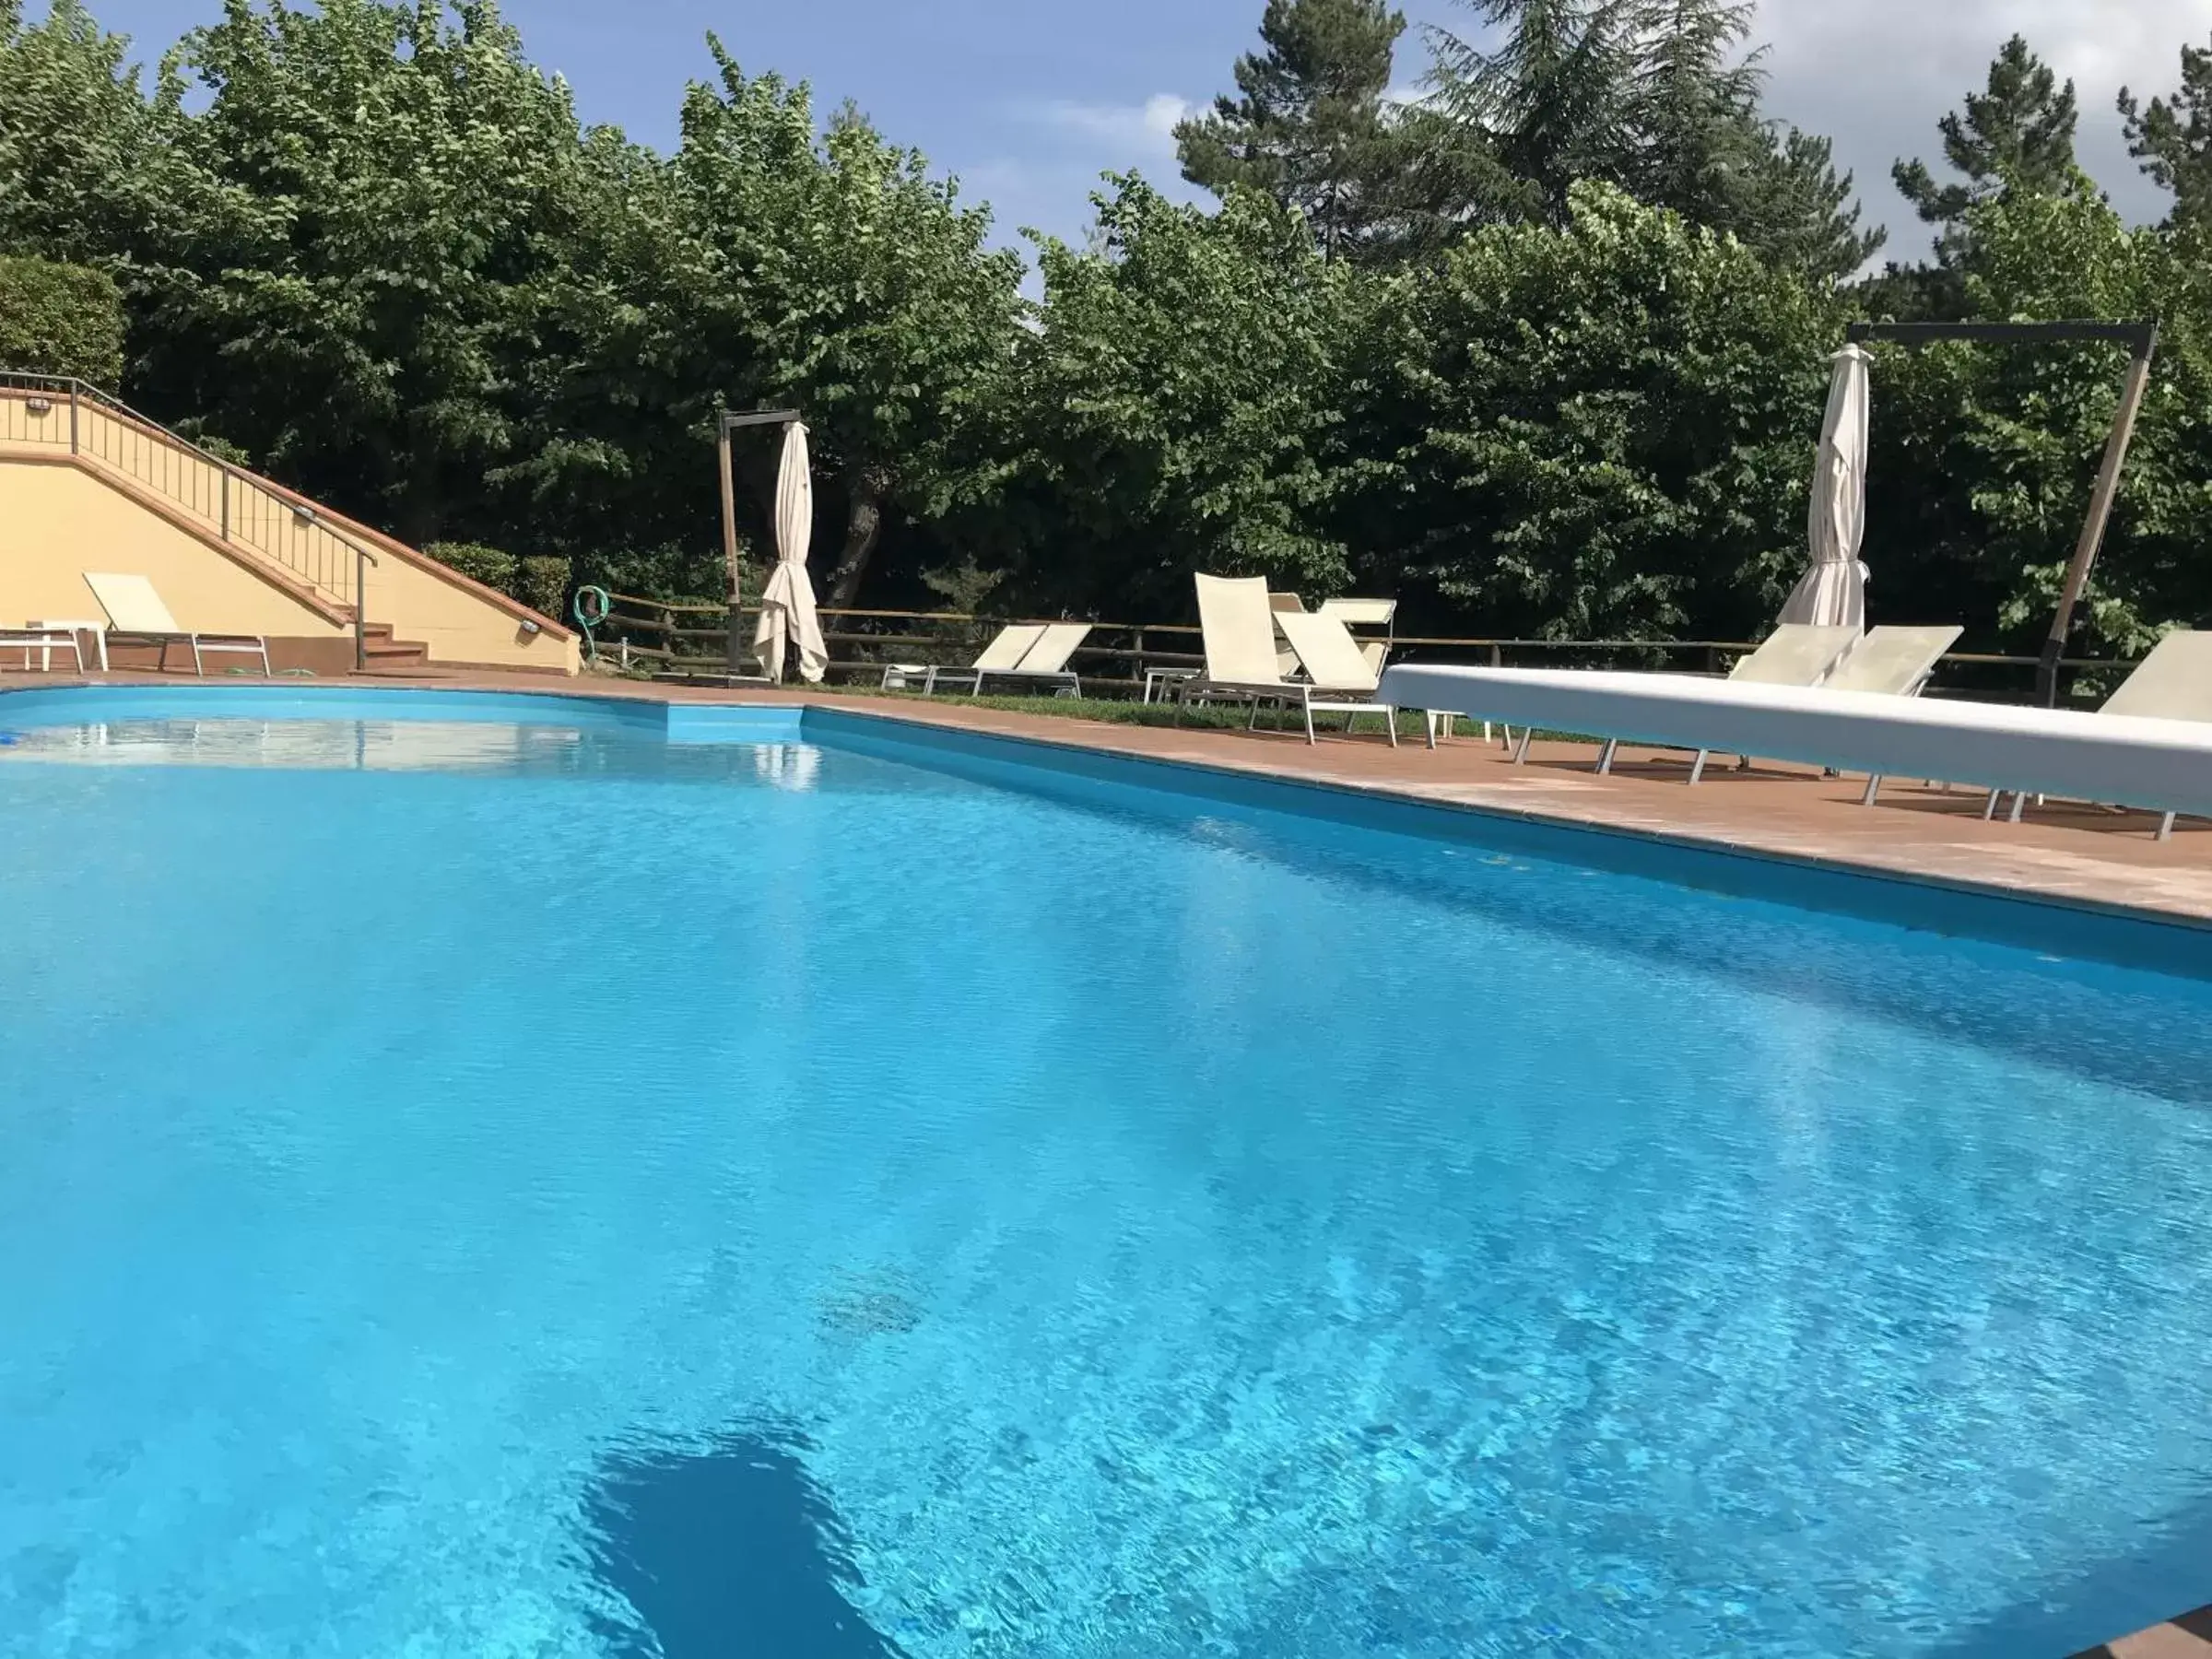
x: 136, y: 612
x: 2136, y: 760
x: 1796, y: 654
x: 2174, y: 682
x: 1006, y: 648
x: 1330, y: 656
x: 1045, y: 658
x: 1238, y: 620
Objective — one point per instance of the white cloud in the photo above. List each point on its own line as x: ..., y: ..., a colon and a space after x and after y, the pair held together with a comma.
x: 1876, y: 74
x: 1141, y: 132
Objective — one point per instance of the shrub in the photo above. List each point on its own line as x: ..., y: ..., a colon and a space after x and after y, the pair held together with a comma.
x: 480, y: 563
x: 60, y: 318
x: 541, y: 582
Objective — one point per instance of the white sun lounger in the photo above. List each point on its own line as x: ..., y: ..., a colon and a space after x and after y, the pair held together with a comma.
x: 136, y: 612
x: 45, y: 642
x: 1367, y: 613
x: 1046, y: 659
x: 1006, y: 648
x: 2174, y: 682
x: 1891, y: 662
x: 1796, y: 654
x: 1330, y: 656
x: 2162, y: 764
x: 1238, y: 623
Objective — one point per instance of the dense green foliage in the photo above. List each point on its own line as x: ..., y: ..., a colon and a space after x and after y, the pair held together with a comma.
x: 1541, y: 351
x: 60, y: 318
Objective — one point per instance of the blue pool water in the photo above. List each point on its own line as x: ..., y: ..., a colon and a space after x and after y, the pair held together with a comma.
x: 516, y: 1190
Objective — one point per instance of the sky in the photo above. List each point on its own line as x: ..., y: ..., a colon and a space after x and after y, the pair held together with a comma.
x: 1029, y: 101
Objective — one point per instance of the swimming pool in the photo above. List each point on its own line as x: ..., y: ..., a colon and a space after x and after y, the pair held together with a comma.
x: 507, y: 1185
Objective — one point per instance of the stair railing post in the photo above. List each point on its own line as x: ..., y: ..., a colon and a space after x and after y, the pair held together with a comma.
x: 225, y: 474
x: 73, y: 417
x: 360, y: 610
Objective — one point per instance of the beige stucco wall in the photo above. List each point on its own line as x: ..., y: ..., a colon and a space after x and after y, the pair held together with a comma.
x: 58, y: 521
x: 457, y: 625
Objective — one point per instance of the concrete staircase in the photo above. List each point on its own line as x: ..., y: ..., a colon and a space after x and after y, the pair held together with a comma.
x: 229, y: 550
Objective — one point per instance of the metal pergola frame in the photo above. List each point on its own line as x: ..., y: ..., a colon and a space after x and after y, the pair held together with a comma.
x: 2142, y: 342
x: 728, y: 421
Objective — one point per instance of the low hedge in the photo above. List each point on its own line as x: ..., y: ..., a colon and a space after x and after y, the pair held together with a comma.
x: 60, y: 318
x: 538, y: 581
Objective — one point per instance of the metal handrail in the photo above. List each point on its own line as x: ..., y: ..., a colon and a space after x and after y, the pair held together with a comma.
x: 316, y: 570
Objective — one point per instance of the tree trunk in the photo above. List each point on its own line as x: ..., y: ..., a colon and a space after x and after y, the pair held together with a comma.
x: 864, y: 491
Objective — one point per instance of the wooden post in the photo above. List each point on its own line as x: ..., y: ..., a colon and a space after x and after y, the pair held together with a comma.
x: 735, y: 645
x: 2101, y: 512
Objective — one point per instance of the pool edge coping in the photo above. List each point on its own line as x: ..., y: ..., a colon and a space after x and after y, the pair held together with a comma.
x: 1535, y: 817
x: 1097, y: 744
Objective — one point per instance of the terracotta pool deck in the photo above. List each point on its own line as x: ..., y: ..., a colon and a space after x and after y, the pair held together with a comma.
x: 2066, y: 851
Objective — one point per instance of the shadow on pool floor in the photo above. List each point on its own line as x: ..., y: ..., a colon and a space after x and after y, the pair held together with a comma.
x: 727, y: 1550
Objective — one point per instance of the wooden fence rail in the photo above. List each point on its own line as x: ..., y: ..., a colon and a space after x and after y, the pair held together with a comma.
x: 869, y: 640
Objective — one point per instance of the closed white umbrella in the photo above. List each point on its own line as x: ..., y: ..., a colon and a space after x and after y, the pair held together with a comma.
x: 1832, y: 592
x: 787, y: 603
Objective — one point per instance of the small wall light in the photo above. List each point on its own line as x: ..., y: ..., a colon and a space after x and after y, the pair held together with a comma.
x: 303, y: 512
x: 39, y: 406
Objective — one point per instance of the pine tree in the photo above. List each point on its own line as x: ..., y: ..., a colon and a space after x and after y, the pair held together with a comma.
x: 2172, y: 137
x: 1693, y: 115
x: 1796, y: 209
x: 1659, y: 97
x: 2016, y: 135
x: 1552, y: 100
x: 1310, y: 129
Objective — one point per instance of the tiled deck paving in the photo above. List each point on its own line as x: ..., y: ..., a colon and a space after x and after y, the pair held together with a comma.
x: 2188, y: 1637
x: 2066, y: 851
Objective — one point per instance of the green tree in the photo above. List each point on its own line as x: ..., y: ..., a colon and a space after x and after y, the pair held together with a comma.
x: 1658, y: 97
x: 2172, y: 137
x: 1795, y: 209
x: 835, y: 273
x: 1173, y: 406
x: 1551, y: 97
x: 2016, y: 135
x: 1601, y: 430
x: 1309, y: 129
x: 1702, y: 147
x: 88, y: 167
x: 391, y: 189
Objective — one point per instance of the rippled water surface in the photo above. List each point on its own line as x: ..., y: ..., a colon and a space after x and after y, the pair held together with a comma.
x: 513, y: 1192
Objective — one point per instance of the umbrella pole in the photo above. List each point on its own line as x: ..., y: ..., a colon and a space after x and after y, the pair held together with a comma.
x: 2093, y: 533
x: 735, y: 645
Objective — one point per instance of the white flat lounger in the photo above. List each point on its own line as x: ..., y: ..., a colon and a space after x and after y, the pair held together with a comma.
x: 1046, y: 659
x: 1006, y: 648
x: 136, y: 612
x: 2174, y: 682
x: 1796, y: 654
x: 45, y: 642
x: 2165, y: 765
